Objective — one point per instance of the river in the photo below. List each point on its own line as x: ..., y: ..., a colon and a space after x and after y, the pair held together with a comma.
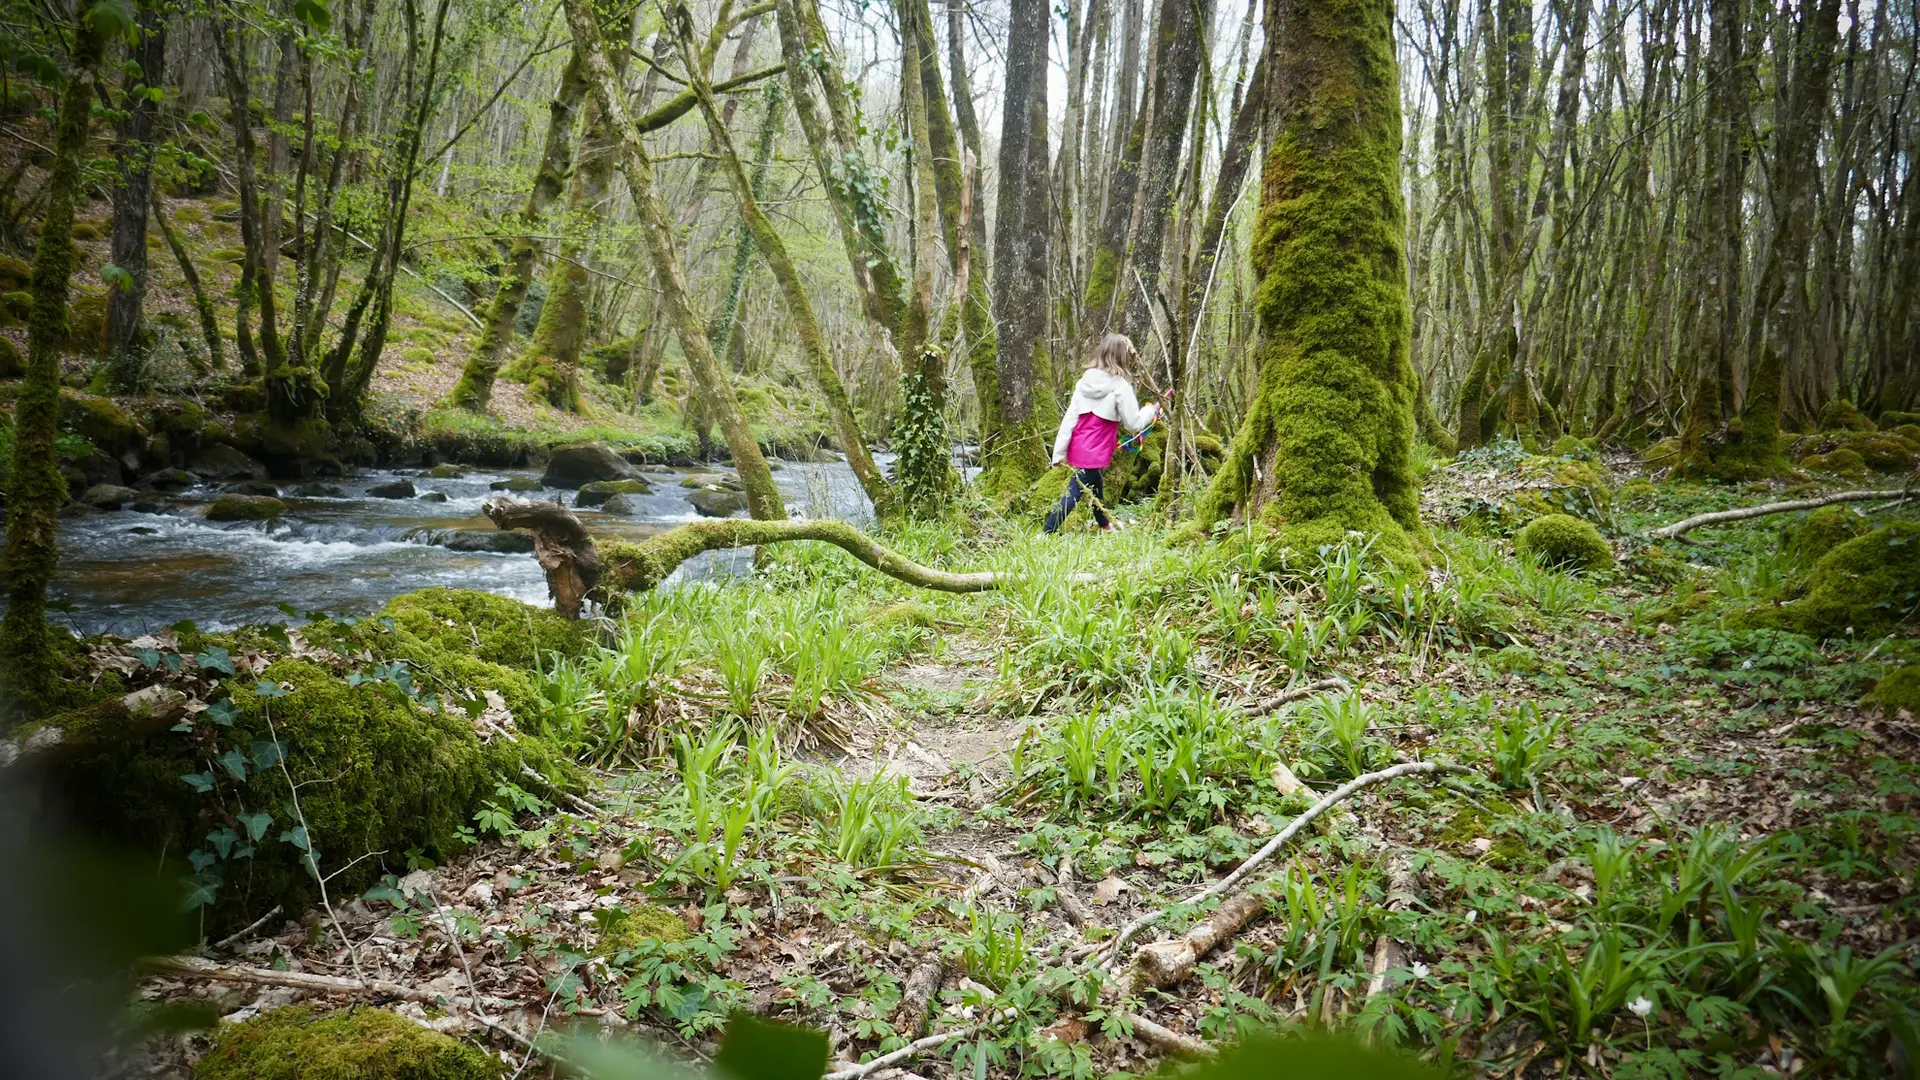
x: 127, y: 572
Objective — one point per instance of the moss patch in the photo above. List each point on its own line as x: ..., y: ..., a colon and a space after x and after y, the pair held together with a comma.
x: 1803, y: 542
x: 358, y: 1043
x: 1565, y: 541
x: 639, y: 923
x: 1896, y: 690
x: 1867, y: 586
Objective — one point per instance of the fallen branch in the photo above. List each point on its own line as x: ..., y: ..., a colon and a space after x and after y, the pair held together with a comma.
x: 577, y: 569
x: 922, y: 983
x: 233, y: 939
x: 913, y: 1050
x: 1240, y: 873
x: 1165, y: 1038
x: 76, y: 734
x: 1298, y: 693
x: 1718, y: 517
x: 1163, y: 963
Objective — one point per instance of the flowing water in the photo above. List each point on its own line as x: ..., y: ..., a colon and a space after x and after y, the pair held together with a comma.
x: 128, y: 572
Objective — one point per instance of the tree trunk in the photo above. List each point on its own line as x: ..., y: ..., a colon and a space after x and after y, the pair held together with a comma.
x: 132, y: 195
x: 202, y: 303
x: 475, y: 388
x: 1178, y: 45
x: 1324, y: 448
x: 710, y: 378
x: 29, y: 664
x: 256, y: 279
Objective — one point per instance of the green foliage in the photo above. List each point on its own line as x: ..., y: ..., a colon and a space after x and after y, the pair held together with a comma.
x: 1564, y: 541
x: 358, y: 1042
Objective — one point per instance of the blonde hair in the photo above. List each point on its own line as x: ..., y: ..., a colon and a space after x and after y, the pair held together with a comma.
x: 1114, y: 355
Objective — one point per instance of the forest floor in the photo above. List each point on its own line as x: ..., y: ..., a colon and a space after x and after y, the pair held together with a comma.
x: 1680, y: 850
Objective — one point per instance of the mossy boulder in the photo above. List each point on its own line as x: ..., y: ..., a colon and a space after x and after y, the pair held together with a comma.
x: 355, y: 1043
x: 1867, y: 586
x: 1842, y: 415
x: 85, y: 232
x: 1831, y: 451
x: 104, y: 423
x: 233, y: 506
x: 12, y: 364
x: 1564, y: 486
x: 394, y: 489
x: 446, y: 472
x: 1839, y: 462
x: 601, y: 491
x: 16, y: 273
x: 1565, y: 541
x: 715, y: 501
x: 1896, y: 690
x: 515, y: 483
x: 87, y: 323
x: 1894, y: 418
x: 16, y: 305
x: 377, y: 771
x: 1803, y: 542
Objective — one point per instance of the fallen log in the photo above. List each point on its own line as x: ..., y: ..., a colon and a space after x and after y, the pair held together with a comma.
x: 1163, y: 963
x: 1721, y: 517
x: 73, y: 735
x: 578, y: 569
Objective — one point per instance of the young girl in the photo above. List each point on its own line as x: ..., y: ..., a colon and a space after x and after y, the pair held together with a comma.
x: 1090, y: 431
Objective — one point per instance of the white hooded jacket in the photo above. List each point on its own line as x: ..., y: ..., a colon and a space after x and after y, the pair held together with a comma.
x: 1109, y: 397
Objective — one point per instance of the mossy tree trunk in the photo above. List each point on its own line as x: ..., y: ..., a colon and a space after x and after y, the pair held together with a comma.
x: 924, y: 468
x: 976, y: 314
x: 757, y: 231
x: 709, y: 376
x: 132, y: 194
x: 1020, y: 250
x: 475, y: 388
x: 1325, y: 446
x: 551, y: 365
x: 35, y: 489
x: 1776, y: 331
x: 256, y: 274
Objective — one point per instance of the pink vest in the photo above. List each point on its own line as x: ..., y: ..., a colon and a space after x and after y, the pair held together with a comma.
x: 1093, y: 441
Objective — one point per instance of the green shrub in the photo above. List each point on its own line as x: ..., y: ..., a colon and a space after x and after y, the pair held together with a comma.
x: 355, y: 1043
x: 1563, y: 540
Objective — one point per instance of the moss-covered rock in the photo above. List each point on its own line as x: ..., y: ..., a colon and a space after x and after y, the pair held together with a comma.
x: 104, y: 423
x: 1867, y: 586
x: 1842, y: 415
x: 601, y: 491
x: 446, y: 472
x: 85, y: 232
x: 15, y: 273
x: 1566, y: 541
x: 1887, y: 452
x: 1803, y: 542
x: 12, y: 364
x: 1897, y: 689
x: 233, y: 506
x: 1563, y: 486
x: 1839, y: 462
x: 377, y: 772
x: 87, y: 323
x: 356, y: 1043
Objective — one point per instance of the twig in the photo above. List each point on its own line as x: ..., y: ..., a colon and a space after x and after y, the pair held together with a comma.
x: 1280, y: 840
x: 1273, y: 704
x: 251, y: 927
x: 575, y: 801
x: 1717, y: 517
x: 913, y: 1049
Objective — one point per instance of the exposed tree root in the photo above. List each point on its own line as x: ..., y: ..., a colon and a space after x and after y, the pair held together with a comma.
x: 1721, y: 517
x: 577, y: 569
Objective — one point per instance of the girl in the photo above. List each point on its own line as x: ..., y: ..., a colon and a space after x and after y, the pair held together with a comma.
x: 1090, y: 431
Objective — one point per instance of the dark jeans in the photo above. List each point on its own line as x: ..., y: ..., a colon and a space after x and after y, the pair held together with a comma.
x: 1083, y: 480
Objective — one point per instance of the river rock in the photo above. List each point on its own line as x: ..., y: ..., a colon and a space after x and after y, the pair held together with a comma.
x: 602, y: 490
x: 396, y: 489
x: 170, y: 480
x: 253, y: 487
x: 245, y: 508
x: 717, y: 501
x: 620, y: 506
x: 146, y: 502
x: 88, y: 466
x: 516, y: 483
x: 108, y: 496
x: 320, y: 491
x: 583, y: 463
x: 226, y: 463
x: 446, y: 472
x: 494, y: 540
x: 434, y: 496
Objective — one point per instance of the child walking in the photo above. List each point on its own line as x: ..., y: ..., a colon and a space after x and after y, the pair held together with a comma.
x: 1103, y: 400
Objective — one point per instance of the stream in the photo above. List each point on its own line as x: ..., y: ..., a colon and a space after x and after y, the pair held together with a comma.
x: 128, y: 572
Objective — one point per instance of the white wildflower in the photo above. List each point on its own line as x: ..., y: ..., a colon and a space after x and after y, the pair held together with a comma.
x: 1640, y: 1007
x: 1420, y: 971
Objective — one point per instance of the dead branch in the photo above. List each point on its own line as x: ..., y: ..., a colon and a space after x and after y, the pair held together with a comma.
x: 1719, y: 517
x: 1166, y: 1039
x: 233, y: 939
x: 1233, y: 880
x: 923, y: 982
x: 914, y: 1049
x: 560, y: 544
x: 1298, y: 693
x: 1163, y: 963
